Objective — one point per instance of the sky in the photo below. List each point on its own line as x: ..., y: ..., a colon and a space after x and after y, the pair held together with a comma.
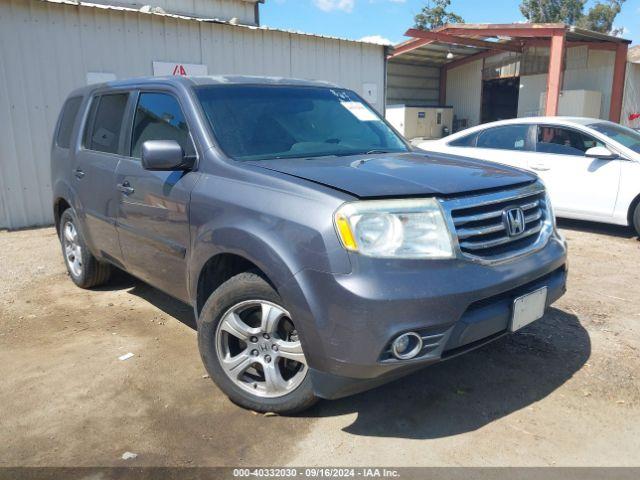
x: 387, y: 20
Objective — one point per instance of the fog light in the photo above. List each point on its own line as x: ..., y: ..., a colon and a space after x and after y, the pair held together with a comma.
x: 406, y: 346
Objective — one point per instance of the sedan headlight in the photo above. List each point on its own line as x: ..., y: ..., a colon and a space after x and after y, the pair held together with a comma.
x: 394, y: 229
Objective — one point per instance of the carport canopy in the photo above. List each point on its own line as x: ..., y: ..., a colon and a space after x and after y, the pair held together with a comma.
x: 470, y: 42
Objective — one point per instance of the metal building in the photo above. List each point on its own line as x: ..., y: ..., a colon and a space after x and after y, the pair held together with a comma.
x: 488, y: 72
x: 49, y: 47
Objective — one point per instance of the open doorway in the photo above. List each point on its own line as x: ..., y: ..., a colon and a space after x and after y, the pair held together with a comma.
x: 500, y: 99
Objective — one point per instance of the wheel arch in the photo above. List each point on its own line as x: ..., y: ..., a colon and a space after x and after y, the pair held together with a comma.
x: 227, y: 252
x: 60, y: 204
x: 217, y: 270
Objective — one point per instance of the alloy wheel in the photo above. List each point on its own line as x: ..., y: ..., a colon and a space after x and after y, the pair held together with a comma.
x: 259, y: 350
x: 72, y: 248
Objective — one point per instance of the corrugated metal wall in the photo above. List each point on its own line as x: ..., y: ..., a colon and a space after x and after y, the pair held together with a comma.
x: 464, y: 91
x: 47, y: 50
x: 408, y: 83
x: 631, y: 95
x: 586, y: 70
x: 243, y: 10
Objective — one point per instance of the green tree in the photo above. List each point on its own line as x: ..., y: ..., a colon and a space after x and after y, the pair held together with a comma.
x: 435, y: 14
x: 599, y: 18
x: 552, y: 11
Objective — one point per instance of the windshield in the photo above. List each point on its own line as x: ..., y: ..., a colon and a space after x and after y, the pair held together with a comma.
x: 623, y: 135
x: 262, y: 122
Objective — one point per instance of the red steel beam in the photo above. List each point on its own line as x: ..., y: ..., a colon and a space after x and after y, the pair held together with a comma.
x: 617, y: 87
x: 443, y: 86
x: 409, y: 46
x: 507, y: 31
x: 467, y: 42
x: 554, y: 80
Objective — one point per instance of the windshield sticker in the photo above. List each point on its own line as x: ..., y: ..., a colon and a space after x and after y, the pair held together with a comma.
x: 359, y: 111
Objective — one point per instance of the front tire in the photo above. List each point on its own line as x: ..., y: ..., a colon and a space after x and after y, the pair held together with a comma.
x: 250, y: 347
x: 636, y: 219
x: 84, y: 269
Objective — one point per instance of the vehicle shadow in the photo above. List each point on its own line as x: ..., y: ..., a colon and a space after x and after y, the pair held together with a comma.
x: 460, y: 395
x: 121, y: 280
x: 471, y: 391
x: 599, y: 228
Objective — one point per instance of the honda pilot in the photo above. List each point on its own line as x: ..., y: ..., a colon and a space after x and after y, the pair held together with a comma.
x: 321, y: 253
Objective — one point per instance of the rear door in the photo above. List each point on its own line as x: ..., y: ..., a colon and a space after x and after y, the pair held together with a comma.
x: 579, y: 186
x: 153, y: 207
x: 95, y: 169
x: 506, y: 144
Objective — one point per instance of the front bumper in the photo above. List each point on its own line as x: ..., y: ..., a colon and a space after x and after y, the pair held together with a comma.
x: 347, y: 321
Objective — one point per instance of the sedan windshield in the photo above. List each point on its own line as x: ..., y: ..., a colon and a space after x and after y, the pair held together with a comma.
x: 623, y: 135
x: 263, y: 122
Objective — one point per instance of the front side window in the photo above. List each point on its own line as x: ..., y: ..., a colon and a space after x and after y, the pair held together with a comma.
x: 107, y: 112
x: 262, y: 122
x: 508, y: 137
x: 564, y: 141
x: 67, y: 121
x: 624, y: 135
x: 159, y: 117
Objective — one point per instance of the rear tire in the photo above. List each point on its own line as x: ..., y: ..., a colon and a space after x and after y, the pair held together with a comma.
x: 83, y: 268
x: 250, y: 348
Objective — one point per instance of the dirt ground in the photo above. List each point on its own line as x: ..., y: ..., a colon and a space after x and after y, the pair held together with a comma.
x: 564, y: 392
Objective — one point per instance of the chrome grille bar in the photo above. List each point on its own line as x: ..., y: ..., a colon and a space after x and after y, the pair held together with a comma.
x: 480, y: 228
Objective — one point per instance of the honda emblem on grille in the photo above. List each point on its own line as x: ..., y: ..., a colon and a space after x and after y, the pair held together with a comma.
x: 514, y: 221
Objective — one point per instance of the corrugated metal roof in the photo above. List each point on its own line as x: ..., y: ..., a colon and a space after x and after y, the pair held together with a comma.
x: 161, y: 13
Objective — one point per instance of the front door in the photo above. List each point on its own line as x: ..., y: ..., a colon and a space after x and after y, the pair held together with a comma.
x: 94, y: 173
x: 578, y: 186
x: 153, y: 216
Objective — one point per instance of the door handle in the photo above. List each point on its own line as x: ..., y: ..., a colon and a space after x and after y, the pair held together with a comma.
x: 126, y: 188
x: 541, y: 167
x: 79, y: 173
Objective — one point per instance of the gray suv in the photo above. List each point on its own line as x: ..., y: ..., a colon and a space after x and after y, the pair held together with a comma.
x: 321, y: 253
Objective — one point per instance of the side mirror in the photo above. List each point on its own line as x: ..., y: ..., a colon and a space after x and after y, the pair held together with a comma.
x: 601, y: 153
x: 164, y: 155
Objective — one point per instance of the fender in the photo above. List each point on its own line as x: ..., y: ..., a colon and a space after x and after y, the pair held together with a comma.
x: 63, y: 190
x: 278, y: 264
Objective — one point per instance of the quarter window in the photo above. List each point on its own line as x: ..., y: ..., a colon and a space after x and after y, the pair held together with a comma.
x: 508, y: 137
x: 67, y: 121
x: 564, y: 141
x: 103, y: 135
x: 159, y: 117
x: 466, y: 141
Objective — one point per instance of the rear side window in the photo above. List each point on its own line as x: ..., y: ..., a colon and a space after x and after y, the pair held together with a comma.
x: 508, y: 137
x: 466, y: 141
x: 67, y: 121
x: 103, y: 133
x: 159, y: 117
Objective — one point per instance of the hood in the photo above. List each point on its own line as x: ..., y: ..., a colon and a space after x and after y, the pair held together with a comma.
x: 400, y: 174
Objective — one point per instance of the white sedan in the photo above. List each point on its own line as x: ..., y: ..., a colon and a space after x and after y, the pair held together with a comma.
x: 591, y: 167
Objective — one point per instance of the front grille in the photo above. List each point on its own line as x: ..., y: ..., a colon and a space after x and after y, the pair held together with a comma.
x: 482, y: 230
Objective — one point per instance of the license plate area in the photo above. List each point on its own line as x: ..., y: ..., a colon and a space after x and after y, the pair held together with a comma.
x: 528, y: 308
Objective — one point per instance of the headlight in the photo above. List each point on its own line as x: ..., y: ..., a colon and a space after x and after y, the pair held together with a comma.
x: 394, y: 229
x: 550, y: 213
